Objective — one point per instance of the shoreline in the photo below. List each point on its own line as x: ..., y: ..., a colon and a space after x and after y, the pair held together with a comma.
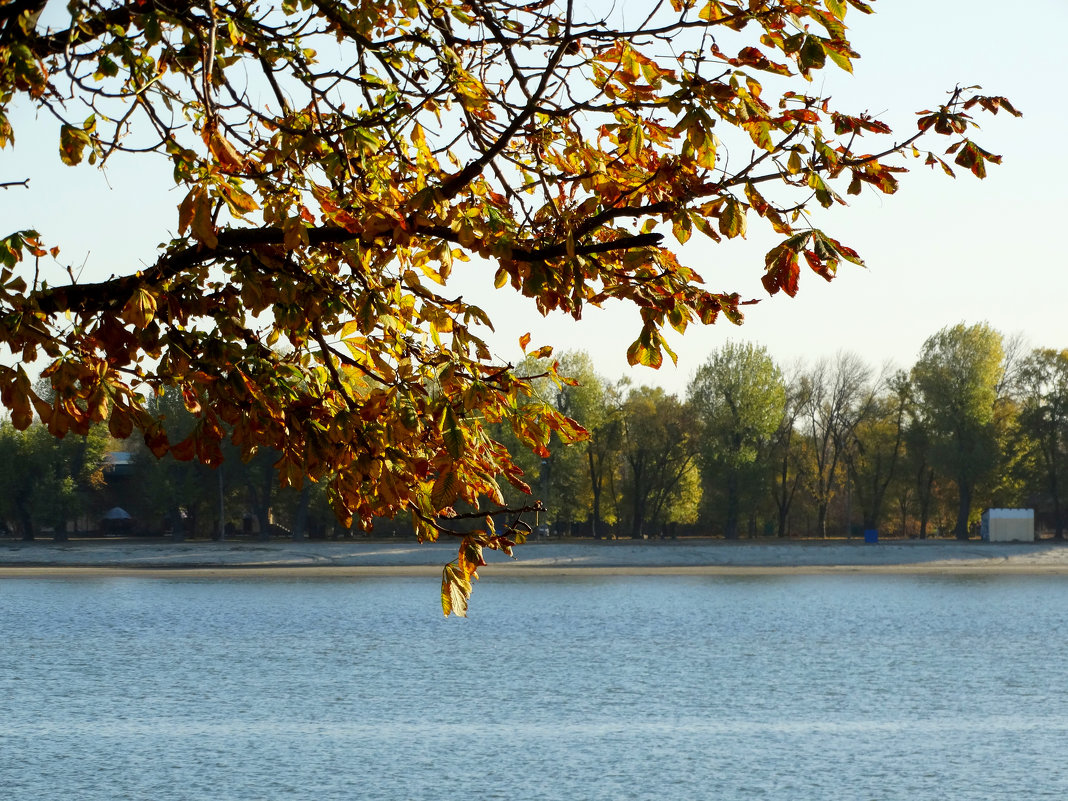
x: 507, y: 571
x: 368, y: 559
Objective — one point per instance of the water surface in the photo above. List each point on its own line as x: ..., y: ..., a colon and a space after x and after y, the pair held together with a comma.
x: 803, y: 687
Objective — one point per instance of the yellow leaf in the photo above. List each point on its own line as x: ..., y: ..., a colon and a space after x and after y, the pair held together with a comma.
x: 140, y: 308
x: 294, y: 233
x: 455, y: 590
x: 732, y: 220
x: 453, y: 435
x: 239, y: 201
x: 225, y: 153
x: 202, y: 224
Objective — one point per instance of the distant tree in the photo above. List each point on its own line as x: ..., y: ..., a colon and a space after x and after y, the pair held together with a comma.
x: 839, y: 397
x: 46, y: 481
x: 1042, y: 389
x: 167, y: 494
x: 874, y: 457
x: 918, y: 494
x: 787, y: 447
x: 659, y: 452
x: 603, y: 452
x: 738, y: 395
x: 956, y: 380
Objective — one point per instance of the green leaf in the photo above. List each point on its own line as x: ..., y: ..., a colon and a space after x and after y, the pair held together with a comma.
x: 681, y: 227
x: 446, y: 489
x: 453, y: 435
x: 812, y: 55
x: 72, y: 144
x: 645, y: 350
x: 732, y: 219
x: 840, y: 59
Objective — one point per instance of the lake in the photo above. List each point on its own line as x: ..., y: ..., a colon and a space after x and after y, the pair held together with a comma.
x: 797, y: 687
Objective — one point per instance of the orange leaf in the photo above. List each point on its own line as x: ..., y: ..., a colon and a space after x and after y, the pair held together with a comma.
x: 225, y: 153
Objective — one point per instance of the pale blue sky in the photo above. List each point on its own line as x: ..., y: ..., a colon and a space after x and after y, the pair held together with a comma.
x: 939, y: 252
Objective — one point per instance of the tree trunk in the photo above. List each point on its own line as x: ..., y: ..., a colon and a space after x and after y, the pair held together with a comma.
x: 925, y: 501
x: 26, y: 522
x: 821, y: 519
x: 638, y: 521
x: 263, y: 510
x: 300, y: 519
x: 730, y: 530
x: 1058, y: 518
x: 595, y: 487
x: 221, y: 532
x: 964, y: 510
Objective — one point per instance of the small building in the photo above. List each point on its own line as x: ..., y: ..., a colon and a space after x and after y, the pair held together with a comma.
x: 117, y: 465
x: 116, y: 521
x: 1008, y: 525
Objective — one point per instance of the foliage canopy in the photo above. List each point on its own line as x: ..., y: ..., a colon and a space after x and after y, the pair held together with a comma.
x: 338, y: 160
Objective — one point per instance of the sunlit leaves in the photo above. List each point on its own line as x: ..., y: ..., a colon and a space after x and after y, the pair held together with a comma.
x: 821, y: 252
x: 974, y: 158
x: 309, y: 302
x: 456, y: 576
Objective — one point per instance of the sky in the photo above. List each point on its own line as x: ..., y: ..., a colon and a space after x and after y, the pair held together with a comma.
x: 939, y: 252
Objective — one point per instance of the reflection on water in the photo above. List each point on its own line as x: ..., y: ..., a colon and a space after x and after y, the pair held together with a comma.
x: 808, y: 687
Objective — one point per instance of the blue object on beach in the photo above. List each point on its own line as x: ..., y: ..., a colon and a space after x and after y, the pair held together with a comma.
x: 871, y: 535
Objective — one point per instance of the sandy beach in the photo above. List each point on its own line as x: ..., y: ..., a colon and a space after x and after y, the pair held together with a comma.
x: 688, y: 556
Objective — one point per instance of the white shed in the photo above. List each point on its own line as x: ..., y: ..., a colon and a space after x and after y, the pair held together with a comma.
x: 1008, y: 525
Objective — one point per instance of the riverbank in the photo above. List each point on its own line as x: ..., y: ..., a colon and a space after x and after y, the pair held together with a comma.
x: 687, y: 556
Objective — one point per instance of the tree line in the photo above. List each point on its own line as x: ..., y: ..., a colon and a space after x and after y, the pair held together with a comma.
x: 752, y: 448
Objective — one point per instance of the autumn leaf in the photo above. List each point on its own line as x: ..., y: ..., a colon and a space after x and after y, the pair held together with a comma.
x: 645, y: 350
x: 72, y: 144
x: 455, y: 590
x: 140, y: 308
x: 453, y: 435
x: 446, y: 489
x: 732, y: 221
x: 230, y: 161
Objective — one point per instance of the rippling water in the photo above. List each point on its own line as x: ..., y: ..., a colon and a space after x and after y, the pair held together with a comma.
x: 818, y: 687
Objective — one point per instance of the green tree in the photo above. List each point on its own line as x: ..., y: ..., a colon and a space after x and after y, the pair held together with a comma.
x: 46, y: 481
x: 575, y: 495
x: 874, y: 459
x: 660, y: 456
x: 335, y: 161
x: 918, y: 495
x: 956, y: 380
x: 602, y: 455
x: 787, y: 448
x: 739, y: 396
x: 1042, y: 388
